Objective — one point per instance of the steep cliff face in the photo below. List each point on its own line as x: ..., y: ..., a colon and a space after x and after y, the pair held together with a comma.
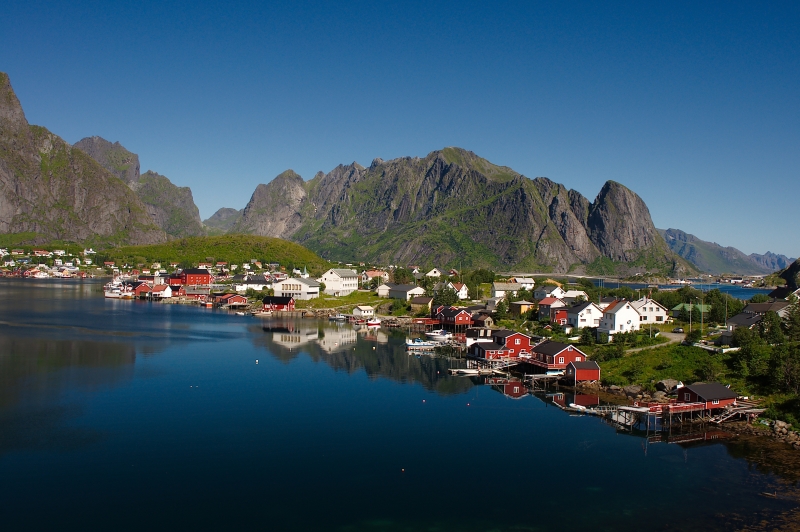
x: 275, y: 209
x: 170, y: 207
x: 49, y: 188
x: 113, y: 157
x: 223, y: 220
x: 453, y: 207
x: 792, y: 275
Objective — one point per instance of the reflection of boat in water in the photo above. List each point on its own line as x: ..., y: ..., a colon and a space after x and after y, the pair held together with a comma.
x: 440, y: 335
x: 373, y: 322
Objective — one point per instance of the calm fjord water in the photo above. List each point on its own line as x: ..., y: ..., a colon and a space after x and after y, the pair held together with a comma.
x: 125, y: 415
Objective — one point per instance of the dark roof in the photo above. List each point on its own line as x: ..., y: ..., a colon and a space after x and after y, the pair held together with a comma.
x: 587, y: 364
x: 196, y: 271
x: 763, y: 308
x: 550, y: 347
x: 452, y: 312
x: 579, y: 307
x: 277, y: 300
x: 504, y: 333
x: 481, y: 317
x: 421, y: 300
x: 712, y: 391
x: 478, y: 332
x: 608, y: 299
x: 744, y: 319
x: 402, y: 287
x: 490, y: 346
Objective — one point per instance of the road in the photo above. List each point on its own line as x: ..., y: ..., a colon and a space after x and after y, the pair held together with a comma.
x: 674, y: 338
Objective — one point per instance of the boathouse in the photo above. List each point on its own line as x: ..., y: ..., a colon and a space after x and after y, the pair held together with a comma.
x: 278, y: 304
x: 503, y: 344
x: 550, y: 355
x: 713, y: 394
x: 586, y: 371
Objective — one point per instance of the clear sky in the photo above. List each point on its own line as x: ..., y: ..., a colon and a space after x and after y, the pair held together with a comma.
x: 694, y: 106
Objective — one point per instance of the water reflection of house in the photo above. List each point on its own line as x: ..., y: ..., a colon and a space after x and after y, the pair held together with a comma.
x: 290, y: 334
x: 564, y: 399
x: 334, y: 339
x: 510, y: 387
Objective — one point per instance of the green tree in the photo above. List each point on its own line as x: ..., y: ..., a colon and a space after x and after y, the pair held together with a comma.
x: 791, y: 321
x: 475, y: 291
x: 446, y: 296
x: 501, y: 310
x: 402, y: 276
x: 759, y: 298
x: 694, y: 336
x: 588, y: 336
x: 683, y: 314
x: 770, y: 328
x: 785, y: 366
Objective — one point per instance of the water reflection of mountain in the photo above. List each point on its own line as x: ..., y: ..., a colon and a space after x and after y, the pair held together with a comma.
x: 345, y: 348
x: 35, y: 374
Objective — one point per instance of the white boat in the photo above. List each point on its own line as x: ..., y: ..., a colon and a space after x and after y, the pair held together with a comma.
x: 418, y: 343
x: 373, y: 322
x: 338, y: 317
x: 440, y: 335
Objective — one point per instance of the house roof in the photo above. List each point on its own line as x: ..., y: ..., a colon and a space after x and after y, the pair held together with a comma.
x: 639, y: 303
x: 307, y: 282
x: 421, y: 300
x: 618, y: 305
x: 452, y: 312
x: 196, y: 271
x: 505, y: 333
x: 549, y: 301
x: 364, y: 307
x: 343, y: 272
x: 763, y: 308
x: 580, y: 307
x: 402, y: 287
x: 575, y: 293
x: 458, y: 286
x: 506, y: 286
x: 712, y: 391
x: 478, y: 332
x: 491, y: 346
x: 744, y: 319
x: 586, y: 364
x: 160, y: 288
x: 550, y: 347
x: 523, y: 302
x: 524, y: 280
x: 277, y: 300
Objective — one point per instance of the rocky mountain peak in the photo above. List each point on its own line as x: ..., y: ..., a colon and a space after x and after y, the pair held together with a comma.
x: 112, y: 156
x: 12, y: 117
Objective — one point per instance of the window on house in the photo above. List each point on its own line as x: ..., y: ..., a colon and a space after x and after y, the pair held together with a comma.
x: 516, y: 389
x: 687, y: 397
x: 517, y: 341
x: 715, y: 402
x: 659, y: 318
x: 560, y: 360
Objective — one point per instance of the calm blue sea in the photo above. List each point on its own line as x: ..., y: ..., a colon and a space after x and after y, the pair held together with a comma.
x: 126, y: 415
x: 736, y: 291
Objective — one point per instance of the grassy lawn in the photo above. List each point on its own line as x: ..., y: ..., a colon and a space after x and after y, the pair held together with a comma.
x: 684, y: 363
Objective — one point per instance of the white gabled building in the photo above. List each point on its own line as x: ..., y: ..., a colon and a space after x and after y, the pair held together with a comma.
x: 584, y: 315
x: 364, y: 311
x: 619, y: 317
x: 527, y: 282
x: 650, y: 311
x: 339, y: 281
x: 297, y: 287
x: 548, y: 291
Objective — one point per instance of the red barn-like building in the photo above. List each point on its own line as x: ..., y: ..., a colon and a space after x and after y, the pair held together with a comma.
x: 195, y: 277
x: 713, y: 394
x: 552, y: 356
x: 275, y: 303
x: 585, y: 371
x: 504, y: 344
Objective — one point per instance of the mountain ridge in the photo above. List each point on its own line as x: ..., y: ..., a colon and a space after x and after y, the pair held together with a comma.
x: 452, y: 207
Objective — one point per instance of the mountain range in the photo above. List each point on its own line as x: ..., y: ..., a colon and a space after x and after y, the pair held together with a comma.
x: 449, y: 208
x: 713, y: 258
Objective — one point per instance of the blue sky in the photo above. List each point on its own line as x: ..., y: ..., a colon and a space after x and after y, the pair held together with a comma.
x: 694, y: 106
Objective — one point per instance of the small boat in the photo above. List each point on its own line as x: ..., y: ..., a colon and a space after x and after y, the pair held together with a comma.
x: 373, y: 322
x: 337, y: 317
x: 240, y: 314
x: 417, y: 343
x: 464, y: 371
x: 440, y: 335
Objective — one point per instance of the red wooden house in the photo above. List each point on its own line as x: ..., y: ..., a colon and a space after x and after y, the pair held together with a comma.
x: 276, y: 303
x: 454, y: 316
x: 558, y: 316
x: 175, y: 279
x: 231, y: 300
x: 504, y: 344
x: 552, y: 356
x: 142, y: 290
x: 713, y: 394
x: 195, y: 277
x: 586, y: 371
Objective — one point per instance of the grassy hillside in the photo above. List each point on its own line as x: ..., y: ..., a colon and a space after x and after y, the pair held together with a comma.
x: 228, y: 248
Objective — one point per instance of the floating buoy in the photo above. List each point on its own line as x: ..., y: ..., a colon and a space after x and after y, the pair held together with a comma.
x: 256, y: 361
x: 402, y: 470
x: 467, y: 404
x: 423, y: 400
